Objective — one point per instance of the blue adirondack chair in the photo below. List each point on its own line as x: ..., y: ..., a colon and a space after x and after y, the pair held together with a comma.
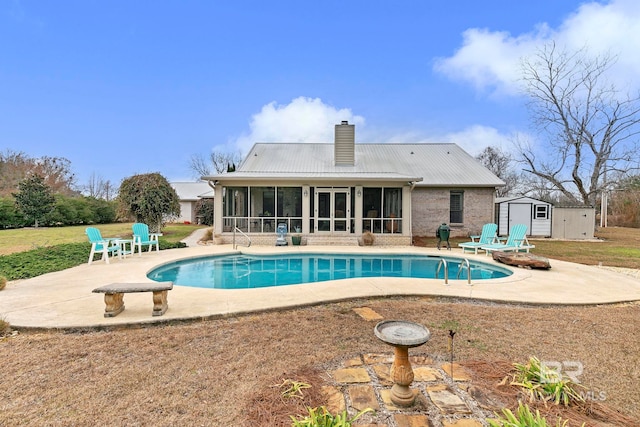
x: 142, y: 237
x: 101, y: 245
x: 488, y: 236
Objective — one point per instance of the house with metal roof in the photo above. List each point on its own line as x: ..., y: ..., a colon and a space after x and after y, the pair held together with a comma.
x: 331, y: 193
x: 189, y: 194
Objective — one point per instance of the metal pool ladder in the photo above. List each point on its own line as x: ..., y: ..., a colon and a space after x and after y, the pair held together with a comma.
x: 443, y: 263
x: 462, y: 264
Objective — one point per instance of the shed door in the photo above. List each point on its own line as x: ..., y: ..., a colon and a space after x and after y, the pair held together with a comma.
x: 520, y: 213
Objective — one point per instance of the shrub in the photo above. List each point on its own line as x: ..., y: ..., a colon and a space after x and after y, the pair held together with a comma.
x: 24, y: 265
x: 47, y: 259
x: 164, y: 244
x: 207, y: 236
x: 149, y: 198
x: 5, y: 328
x: 81, y: 210
x: 546, y: 384
x: 523, y: 418
x: 10, y: 217
x: 321, y: 417
x: 204, y: 211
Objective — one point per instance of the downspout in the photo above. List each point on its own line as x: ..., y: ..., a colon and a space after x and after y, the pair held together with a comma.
x: 213, y: 184
x: 412, y: 185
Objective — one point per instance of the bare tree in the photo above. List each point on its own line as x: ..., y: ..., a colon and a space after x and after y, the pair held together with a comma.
x: 590, y: 126
x: 99, y: 188
x: 218, y: 162
x: 55, y: 171
x: 14, y: 167
x: 501, y: 164
x: 57, y: 174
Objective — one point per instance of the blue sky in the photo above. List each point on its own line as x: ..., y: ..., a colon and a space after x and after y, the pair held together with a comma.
x: 126, y: 87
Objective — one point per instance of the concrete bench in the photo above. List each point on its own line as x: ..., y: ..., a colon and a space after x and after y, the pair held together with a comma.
x: 114, y: 296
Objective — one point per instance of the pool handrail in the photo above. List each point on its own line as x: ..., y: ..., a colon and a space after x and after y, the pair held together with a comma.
x: 464, y: 262
x: 446, y: 271
x: 234, y: 237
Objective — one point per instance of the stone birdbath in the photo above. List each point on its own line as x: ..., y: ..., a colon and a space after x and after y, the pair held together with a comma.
x: 402, y: 335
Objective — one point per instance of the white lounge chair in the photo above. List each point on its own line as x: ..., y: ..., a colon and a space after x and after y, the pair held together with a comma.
x: 488, y: 236
x: 516, y: 242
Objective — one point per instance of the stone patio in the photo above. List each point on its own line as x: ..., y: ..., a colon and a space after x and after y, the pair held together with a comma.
x: 442, y: 399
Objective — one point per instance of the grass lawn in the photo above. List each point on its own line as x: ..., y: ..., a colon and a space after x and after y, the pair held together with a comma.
x: 615, y: 246
x: 24, y: 239
x: 223, y: 372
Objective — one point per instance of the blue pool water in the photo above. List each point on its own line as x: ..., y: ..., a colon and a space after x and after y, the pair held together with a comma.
x: 253, y: 271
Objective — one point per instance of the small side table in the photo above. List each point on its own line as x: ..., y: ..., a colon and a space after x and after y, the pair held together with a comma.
x: 123, y: 246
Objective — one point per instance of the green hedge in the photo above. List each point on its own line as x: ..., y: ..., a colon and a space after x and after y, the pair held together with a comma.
x: 24, y: 265
x: 67, y: 211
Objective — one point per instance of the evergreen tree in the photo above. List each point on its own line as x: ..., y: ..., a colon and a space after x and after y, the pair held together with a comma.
x: 34, y: 199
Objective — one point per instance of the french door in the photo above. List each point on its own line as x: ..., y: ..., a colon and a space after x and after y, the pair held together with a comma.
x: 332, y: 210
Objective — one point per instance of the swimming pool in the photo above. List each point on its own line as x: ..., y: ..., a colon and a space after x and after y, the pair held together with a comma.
x: 240, y: 271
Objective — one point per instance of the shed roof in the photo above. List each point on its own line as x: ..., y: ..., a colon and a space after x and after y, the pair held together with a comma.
x: 427, y: 164
x: 519, y: 198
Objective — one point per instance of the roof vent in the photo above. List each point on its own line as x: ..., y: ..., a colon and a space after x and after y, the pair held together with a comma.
x: 344, y: 144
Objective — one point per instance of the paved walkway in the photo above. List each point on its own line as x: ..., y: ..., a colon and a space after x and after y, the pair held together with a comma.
x: 64, y: 299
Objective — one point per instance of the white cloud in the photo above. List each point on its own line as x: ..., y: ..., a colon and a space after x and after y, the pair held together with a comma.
x: 472, y: 139
x: 302, y: 120
x: 311, y: 120
x: 489, y: 60
x: 476, y: 138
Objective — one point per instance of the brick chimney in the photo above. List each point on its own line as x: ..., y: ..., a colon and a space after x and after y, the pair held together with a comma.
x: 344, y: 144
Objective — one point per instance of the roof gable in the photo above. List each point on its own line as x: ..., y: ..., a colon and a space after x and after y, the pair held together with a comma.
x: 192, y: 190
x: 436, y: 164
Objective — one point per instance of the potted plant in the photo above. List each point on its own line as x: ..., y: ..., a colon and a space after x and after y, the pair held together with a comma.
x: 368, y: 238
x: 296, y: 239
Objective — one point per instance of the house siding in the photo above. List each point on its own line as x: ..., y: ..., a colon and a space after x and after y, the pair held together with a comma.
x: 430, y: 208
x: 187, y: 211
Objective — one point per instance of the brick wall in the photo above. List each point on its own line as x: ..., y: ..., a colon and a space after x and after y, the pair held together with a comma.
x: 269, y: 239
x: 430, y: 208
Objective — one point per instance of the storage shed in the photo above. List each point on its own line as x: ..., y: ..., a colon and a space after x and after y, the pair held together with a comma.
x: 535, y: 214
x: 578, y: 222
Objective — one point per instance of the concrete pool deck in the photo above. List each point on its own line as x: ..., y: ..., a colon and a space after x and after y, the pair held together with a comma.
x: 64, y: 299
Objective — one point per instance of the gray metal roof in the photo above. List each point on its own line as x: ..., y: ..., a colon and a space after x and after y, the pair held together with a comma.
x: 192, y: 190
x: 514, y: 198
x: 432, y: 164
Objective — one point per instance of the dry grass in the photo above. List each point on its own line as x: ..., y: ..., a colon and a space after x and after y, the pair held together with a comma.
x: 222, y: 372
x: 219, y: 372
x: 615, y: 246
